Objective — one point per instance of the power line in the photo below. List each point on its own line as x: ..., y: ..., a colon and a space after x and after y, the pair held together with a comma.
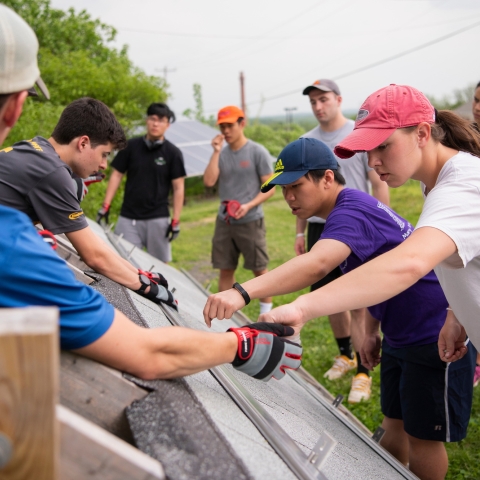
x: 380, y: 62
x: 299, y: 37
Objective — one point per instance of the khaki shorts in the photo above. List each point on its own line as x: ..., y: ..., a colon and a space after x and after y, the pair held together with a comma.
x: 245, y: 238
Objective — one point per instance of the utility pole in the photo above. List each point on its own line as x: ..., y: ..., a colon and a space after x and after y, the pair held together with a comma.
x: 289, y: 115
x: 242, y: 92
x: 165, y: 70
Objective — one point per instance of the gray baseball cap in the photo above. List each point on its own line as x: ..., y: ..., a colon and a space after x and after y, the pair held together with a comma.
x: 18, y: 55
x: 324, y: 85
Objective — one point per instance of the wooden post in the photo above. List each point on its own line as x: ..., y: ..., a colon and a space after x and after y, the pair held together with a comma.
x: 28, y: 392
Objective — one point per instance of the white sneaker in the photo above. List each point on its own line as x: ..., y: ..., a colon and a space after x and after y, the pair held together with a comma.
x: 341, y: 366
x: 361, y: 388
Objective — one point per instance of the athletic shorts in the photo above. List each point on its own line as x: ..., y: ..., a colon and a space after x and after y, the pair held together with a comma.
x: 248, y: 239
x: 313, y: 235
x: 433, y: 398
x: 150, y: 234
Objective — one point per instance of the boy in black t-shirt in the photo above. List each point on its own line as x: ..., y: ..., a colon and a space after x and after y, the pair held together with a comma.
x: 153, y: 166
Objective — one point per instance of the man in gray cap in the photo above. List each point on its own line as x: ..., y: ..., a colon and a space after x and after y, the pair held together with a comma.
x: 88, y: 324
x: 326, y: 101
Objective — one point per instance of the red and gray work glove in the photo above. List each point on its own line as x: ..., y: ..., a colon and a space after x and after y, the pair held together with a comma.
x: 230, y: 208
x: 157, y: 293
x: 82, y: 184
x: 102, y: 214
x: 156, y: 277
x: 173, y: 230
x: 263, y: 354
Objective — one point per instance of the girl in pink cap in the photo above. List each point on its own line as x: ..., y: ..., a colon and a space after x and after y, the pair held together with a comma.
x: 405, y: 137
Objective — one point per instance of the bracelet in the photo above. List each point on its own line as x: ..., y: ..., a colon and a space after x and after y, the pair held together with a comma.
x: 300, y: 234
x: 451, y: 309
x: 242, y: 292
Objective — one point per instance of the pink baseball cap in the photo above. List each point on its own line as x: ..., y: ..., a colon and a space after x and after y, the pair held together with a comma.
x: 392, y: 107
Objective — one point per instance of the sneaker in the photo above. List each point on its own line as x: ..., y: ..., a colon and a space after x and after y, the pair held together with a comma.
x: 361, y: 388
x: 476, y: 376
x: 340, y: 367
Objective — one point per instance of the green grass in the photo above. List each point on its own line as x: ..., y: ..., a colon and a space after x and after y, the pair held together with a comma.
x: 192, y: 252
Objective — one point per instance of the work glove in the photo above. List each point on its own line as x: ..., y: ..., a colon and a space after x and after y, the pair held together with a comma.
x: 263, y: 354
x: 173, y: 230
x: 230, y: 208
x: 156, y: 277
x: 82, y: 184
x: 157, y: 293
x: 49, y: 238
x: 102, y: 214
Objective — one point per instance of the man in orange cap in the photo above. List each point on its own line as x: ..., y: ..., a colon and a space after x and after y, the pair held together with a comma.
x: 240, y: 169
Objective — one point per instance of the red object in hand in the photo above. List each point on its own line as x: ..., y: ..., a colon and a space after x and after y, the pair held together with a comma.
x: 231, y: 208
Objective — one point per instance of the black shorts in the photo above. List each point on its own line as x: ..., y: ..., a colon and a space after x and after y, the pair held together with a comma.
x: 433, y: 398
x: 313, y: 235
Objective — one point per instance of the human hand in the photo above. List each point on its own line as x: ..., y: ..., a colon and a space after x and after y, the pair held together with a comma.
x: 299, y: 245
x: 242, y: 210
x: 288, y: 314
x: 451, y: 340
x: 222, y: 305
x: 217, y: 142
x: 157, y: 277
x: 262, y: 352
x: 370, y: 351
x: 173, y: 230
x: 103, y: 213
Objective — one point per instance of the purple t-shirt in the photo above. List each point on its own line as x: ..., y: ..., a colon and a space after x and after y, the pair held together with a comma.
x: 369, y: 228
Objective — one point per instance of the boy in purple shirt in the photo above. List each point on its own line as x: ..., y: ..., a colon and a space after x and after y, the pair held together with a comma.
x: 418, y: 391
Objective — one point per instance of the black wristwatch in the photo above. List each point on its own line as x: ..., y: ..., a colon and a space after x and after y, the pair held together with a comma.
x: 242, y: 292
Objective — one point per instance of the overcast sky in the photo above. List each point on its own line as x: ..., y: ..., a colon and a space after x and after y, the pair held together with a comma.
x: 283, y: 45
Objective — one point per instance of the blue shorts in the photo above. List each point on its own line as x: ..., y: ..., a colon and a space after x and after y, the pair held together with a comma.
x: 433, y: 398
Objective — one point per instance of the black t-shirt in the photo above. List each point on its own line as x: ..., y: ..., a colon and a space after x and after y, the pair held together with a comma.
x: 149, y: 177
x: 36, y: 181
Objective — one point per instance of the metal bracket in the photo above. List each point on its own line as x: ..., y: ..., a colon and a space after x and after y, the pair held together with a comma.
x: 322, y: 449
x: 6, y: 450
x: 338, y: 400
x: 378, y: 434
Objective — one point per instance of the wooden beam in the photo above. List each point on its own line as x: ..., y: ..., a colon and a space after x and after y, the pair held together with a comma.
x: 28, y: 391
x: 98, y: 393
x: 88, y: 451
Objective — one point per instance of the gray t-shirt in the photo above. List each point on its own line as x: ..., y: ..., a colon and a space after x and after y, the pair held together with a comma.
x: 36, y: 181
x: 240, y: 177
x: 354, y: 170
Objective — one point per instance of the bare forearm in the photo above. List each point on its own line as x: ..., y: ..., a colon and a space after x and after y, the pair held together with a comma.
x: 178, y: 199
x: 212, y: 172
x: 301, y: 225
x: 297, y: 273
x: 112, y: 187
x: 165, y: 352
x: 261, y: 197
x: 372, y: 283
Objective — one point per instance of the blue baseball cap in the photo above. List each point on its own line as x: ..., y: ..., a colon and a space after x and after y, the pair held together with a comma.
x: 298, y: 158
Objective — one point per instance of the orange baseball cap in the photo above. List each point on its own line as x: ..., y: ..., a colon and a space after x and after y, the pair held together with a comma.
x: 229, y: 114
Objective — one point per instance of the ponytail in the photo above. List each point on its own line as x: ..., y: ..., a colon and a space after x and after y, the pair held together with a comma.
x: 455, y: 132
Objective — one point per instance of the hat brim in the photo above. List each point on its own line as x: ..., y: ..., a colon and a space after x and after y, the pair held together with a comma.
x: 362, y: 140
x: 308, y: 89
x: 282, y: 178
x: 32, y: 92
x: 228, y: 120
